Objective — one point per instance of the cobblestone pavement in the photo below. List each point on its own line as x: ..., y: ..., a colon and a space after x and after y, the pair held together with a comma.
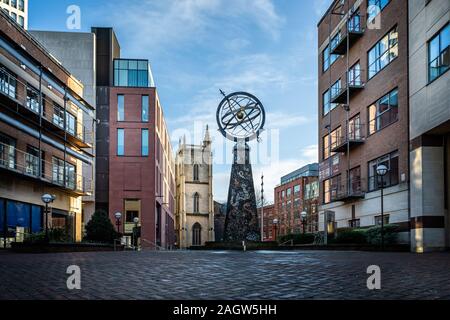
x: 225, y: 275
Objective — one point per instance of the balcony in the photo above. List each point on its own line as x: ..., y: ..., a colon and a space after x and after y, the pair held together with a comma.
x: 27, y: 165
x: 24, y: 99
x: 345, y: 192
x: 348, y: 141
x: 350, y: 83
x: 351, y: 32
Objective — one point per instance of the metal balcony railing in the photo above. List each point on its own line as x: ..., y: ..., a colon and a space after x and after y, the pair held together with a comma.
x: 354, y: 137
x: 32, y: 166
x: 350, y: 82
x: 350, y: 31
x: 52, y: 112
x: 349, y: 190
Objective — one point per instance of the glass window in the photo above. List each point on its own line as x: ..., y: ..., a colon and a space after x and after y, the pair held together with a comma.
x: 145, y: 142
x: 378, y: 220
x: 70, y: 176
x: 32, y: 99
x: 439, y: 54
x: 14, y: 16
x: 383, y: 53
x: 120, y: 107
x: 297, y: 189
x: 7, y: 152
x: 21, y: 5
x: 327, y: 105
x: 58, y: 171
x: 32, y: 161
x: 145, y: 115
x: 131, y: 73
x: 335, y: 89
x: 21, y: 21
x: 8, y: 83
x: 383, y: 112
x: 330, y: 189
x: 71, y: 124
x: 120, y: 142
x: 58, y: 116
x: 375, y: 7
x: 392, y: 176
x: 14, y: 3
x: 288, y: 192
x: 328, y: 59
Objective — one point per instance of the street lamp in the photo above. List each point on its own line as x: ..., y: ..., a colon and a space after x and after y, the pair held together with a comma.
x: 47, y: 199
x: 304, y: 214
x: 381, y: 172
x: 118, y: 216
x: 275, y: 223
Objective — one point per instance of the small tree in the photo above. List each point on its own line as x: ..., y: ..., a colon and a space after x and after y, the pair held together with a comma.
x: 100, y: 228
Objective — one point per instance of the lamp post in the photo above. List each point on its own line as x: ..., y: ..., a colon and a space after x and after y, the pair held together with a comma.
x: 381, y: 172
x: 262, y: 207
x: 304, y: 221
x: 135, y: 233
x: 47, y: 199
x: 118, y: 216
x: 275, y: 223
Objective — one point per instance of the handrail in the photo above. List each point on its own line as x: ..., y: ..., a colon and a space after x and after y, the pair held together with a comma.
x: 28, y: 96
x: 154, y: 244
x: 289, y: 241
x: 28, y: 164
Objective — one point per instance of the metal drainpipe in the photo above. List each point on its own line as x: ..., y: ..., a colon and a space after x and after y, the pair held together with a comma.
x: 41, y: 112
x: 348, y: 98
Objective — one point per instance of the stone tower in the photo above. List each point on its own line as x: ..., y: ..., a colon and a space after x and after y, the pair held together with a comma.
x: 194, y: 197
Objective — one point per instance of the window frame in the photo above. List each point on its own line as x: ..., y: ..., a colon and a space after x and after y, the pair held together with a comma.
x: 439, y: 57
x: 381, y: 54
x: 378, y: 116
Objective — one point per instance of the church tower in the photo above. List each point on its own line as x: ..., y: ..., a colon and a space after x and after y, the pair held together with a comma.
x: 194, y: 196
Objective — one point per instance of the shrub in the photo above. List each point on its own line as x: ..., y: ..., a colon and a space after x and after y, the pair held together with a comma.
x: 100, y: 228
x: 351, y: 236
x: 35, y: 238
x: 390, y: 235
x: 299, y: 238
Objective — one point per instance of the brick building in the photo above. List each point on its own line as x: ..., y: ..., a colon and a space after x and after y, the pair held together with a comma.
x: 297, y: 193
x: 363, y: 113
x: 269, y: 230
x: 135, y: 165
x: 46, y: 128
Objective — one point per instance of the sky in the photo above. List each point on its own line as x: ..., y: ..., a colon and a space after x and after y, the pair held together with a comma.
x: 196, y: 47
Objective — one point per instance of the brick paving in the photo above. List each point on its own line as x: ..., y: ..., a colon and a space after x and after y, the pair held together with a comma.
x: 225, y: 275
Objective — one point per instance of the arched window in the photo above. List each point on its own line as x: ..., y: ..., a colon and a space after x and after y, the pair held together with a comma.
x: 196, y: 178
x: 196, y: 203
x: 197, y: 234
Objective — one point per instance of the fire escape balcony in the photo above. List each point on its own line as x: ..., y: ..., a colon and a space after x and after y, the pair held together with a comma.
x: 349, y: 191
x: 350, y: 83
x: 351, y: 32
x: 354, y: 137
x: 32, y: 167
x: 56, y: 117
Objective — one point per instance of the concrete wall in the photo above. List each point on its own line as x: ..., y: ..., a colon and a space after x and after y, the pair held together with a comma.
x: 429, y: 130
x: 429, y: 104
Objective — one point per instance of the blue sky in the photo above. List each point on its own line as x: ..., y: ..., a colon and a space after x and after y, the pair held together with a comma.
x: 195, y: 47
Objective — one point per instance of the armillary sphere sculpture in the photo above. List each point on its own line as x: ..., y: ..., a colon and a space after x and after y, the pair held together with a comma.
x: 241, y: 118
